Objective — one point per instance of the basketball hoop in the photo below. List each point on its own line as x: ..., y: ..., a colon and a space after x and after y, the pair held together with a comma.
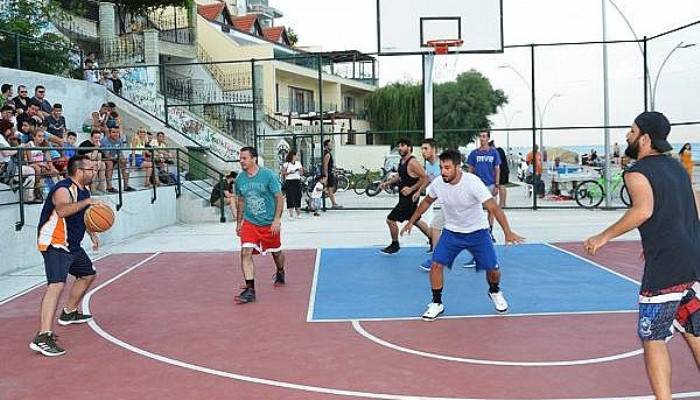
x: 442, y: 47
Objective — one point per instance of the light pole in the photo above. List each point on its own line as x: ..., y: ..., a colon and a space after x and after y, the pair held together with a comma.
x: 508, y: 122
x: 544, y: 111
x: 680, y: 45
x: 540, y: 111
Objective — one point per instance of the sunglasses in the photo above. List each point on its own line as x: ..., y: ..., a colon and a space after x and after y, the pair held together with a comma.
x: 41, y: 92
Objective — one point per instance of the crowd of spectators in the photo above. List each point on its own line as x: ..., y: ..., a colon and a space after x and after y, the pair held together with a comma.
x: 35, y: 144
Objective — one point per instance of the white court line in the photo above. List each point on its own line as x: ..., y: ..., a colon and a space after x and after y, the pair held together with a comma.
x: 312, y: 295
x: 418, y: 318
x: 595, y: 264
x: 40, y: 284
x: 361, y: 330
x: 289, y: 385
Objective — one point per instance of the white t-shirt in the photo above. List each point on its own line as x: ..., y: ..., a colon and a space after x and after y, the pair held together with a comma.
x: 292, y: 169
x: 5, y: 154
x: 462, y: 203
x: 318, y: 191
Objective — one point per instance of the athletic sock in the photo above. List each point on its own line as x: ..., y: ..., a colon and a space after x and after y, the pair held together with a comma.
x: 437, y: 296
x: 493, y: 288
x: 250, y: 284
x: 67, y: 311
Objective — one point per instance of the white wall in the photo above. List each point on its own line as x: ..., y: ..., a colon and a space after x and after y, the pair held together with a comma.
x: 138, y: 215
x: 79, y: 98
x: 354, y: 156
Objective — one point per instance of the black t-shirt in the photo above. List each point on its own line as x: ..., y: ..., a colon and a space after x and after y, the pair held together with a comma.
x: 84, y: 144
x: 55, y: 126
x: 505, y: 168
x: 116, y: 85
x: 671, y: 237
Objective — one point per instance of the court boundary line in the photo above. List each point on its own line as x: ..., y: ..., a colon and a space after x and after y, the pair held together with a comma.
x: 40, y: 284
x: 288, y: 385
x: 312, y: 294
x: 515, y: 315
x: 357, y: 326
x: 595, y: 264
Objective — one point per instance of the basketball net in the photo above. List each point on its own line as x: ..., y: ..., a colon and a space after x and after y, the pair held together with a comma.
x: 444, y: 64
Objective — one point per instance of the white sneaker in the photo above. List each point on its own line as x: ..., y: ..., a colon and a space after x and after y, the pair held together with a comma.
x: 299, y: 216
x: 433, y: 311
x: 499, y: 301
x: 469, y: 264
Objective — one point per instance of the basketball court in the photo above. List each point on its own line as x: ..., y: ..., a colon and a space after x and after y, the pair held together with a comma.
x: 346, y: 325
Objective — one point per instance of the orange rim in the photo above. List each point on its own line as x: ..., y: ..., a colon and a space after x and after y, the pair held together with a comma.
x: 443, y: 46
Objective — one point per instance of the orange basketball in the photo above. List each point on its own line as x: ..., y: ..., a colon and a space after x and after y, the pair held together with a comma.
x: 99, y: 218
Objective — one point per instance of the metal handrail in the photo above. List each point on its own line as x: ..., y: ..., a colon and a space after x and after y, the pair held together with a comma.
x: 209, y: 172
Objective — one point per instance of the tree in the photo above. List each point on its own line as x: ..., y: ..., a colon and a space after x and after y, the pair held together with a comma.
x: 460, y: 109
x: 293, y: 38
x: 24, y: 26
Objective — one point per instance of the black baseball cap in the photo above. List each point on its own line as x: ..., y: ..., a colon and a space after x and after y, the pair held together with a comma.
x: 656, y: 125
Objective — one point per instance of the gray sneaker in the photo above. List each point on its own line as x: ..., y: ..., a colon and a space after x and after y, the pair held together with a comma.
x: 246, y: 296
x: 45, y: 343
x: 76, y: 317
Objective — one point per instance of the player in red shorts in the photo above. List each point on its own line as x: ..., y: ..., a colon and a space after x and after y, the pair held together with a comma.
x: 258, y: 223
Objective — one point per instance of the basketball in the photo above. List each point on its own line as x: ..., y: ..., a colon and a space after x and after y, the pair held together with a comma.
x: 99, y: 218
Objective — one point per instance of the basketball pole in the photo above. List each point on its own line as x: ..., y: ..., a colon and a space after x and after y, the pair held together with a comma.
x: 428, y: 63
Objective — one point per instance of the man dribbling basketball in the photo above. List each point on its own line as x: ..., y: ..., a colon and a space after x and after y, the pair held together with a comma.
x: 61, y: 230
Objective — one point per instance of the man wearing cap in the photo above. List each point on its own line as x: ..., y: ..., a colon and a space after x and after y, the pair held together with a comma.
x: 665, y: 210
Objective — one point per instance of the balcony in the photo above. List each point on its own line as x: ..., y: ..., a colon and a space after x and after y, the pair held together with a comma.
x: 352, y: 65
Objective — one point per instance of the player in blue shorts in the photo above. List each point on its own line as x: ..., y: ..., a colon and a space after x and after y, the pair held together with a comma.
x: 463, y: 197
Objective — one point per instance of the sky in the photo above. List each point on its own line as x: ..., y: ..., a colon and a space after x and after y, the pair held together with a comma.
x: 569, y: 79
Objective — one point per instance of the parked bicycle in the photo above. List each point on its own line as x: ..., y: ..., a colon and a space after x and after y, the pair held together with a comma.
x: 591, y: 193
x: 361, y: 182
x: 342, y: 178
x: 373, y: 188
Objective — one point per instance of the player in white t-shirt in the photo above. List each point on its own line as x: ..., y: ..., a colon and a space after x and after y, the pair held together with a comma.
x: 463, y: 197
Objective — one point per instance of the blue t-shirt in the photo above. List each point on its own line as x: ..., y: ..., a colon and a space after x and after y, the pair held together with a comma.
x: 432, y: 169
x: 484, y: 163
x: 110, y: 148
x: 258, y: 193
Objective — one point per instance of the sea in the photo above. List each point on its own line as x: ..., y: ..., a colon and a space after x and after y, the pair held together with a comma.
x: 586, y: 149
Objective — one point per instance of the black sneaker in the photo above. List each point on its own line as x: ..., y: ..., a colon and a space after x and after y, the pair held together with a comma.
x: 246, y: 296
x: 391, y: 249
x: 45, y: 343
x: 112, y: 190
x: 129, y: 189
x: 76, y: 317
x: 279, y: 278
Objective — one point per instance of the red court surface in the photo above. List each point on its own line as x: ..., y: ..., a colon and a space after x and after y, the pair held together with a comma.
x: 168, y: 329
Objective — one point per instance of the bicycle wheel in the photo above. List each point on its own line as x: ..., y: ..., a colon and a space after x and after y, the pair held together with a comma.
x: 343, y: 183
x: 589, y: 194
x: 625, y: 196
x: 361, y: 186
x: 373, y: 189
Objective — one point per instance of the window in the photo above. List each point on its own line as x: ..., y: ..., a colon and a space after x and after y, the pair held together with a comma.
x: 301, y: 100
x: 349, y: 104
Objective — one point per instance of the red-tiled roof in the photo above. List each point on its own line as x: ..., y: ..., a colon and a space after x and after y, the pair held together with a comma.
x: 210, y: 11
x: 274, y: 33
x: 245, y: 23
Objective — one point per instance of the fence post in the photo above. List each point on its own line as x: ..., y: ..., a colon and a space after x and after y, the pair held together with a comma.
x: 178, y: 187
x: 646, y: 77
x: 20, y: 224
x: 222, y: 199
x: 320, y: 113
x: 119, y: 179
x: 535, y: 177
x: 153, y: 176
x: 164, y: 91
x: 255, y: 111
x: 18, y: 52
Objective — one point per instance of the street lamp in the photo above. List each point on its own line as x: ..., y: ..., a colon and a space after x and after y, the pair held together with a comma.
x: 540, y: 111
x: 544, y: 110
x: 508, y: 122
x: 680, y: 45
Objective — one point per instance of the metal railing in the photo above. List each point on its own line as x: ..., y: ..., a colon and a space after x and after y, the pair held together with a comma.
x: 26, y: 53
x: 122, y: 50
x: 172, y: 24
x: 178, y: 167
x: 228, y: 80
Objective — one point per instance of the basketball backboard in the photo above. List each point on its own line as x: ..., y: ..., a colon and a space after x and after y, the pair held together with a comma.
x: 405, y: 26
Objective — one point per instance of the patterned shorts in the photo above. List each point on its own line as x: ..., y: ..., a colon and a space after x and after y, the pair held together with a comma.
x: 663, y: 311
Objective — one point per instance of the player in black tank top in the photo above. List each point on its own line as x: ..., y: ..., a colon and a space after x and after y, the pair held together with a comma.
x: 411, y: 178
x: 665, y: 210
